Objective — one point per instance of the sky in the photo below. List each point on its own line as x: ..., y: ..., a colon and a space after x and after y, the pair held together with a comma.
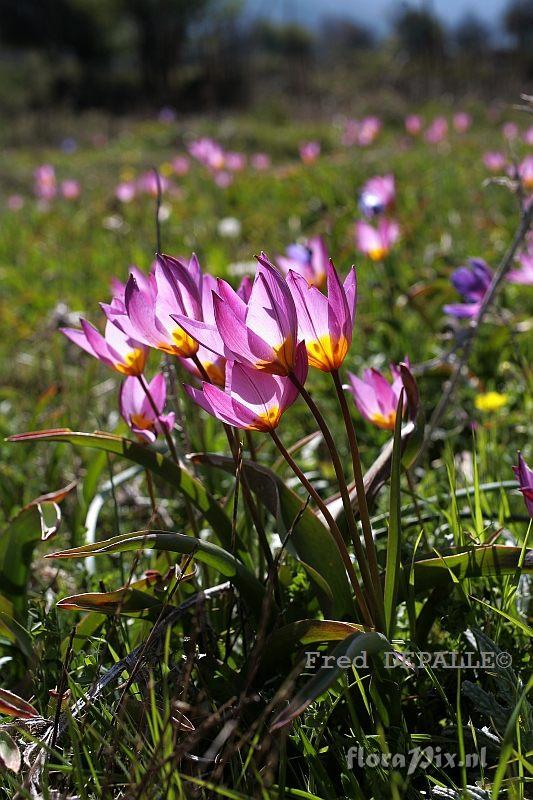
x: 374, y: 14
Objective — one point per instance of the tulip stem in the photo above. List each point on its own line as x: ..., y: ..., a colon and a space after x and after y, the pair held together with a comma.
x: 360, y: 491
x: 166, y: 433
x: 246, y: 491
x: 334, y: 528
x: 343, y: 488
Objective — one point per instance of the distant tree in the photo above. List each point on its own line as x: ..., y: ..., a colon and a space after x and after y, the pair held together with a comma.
x: 342, y: 36
x: 162, y: 28
x: 472, y: 35
x: 420, y: 33
x: 518, y: 21
x: 290, y: 41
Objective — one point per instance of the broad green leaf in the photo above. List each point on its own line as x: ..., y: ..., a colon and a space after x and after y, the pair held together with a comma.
x: 310, y: 540
x: 37, y: 521
x: 393, y: 564
x: 14, y: 706
x: 169, y: 542
x: 151, y: 459
x: 482, y: 561
x: 354, y: 645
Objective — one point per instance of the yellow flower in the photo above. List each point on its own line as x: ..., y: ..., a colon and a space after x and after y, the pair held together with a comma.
x: 490, y: 401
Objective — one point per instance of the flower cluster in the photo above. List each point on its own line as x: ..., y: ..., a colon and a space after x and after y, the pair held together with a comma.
x: 361, y: 132
x: 46, y: 187
x: 250, y: 349
x: 377, y: 198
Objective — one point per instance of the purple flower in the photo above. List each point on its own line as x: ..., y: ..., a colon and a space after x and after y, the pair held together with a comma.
x: 252, y: 400
x: 70, y: 189
x: 472, y: 283
x: 309, y: 259
x: 377, y: 195
x: 325, y: 323
x: 136, y: 408
x: 45, y: 185
x: 524, y: 476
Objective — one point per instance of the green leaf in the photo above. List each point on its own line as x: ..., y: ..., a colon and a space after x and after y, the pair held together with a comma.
x: 351, y: 647
x: 17, y: 634
x: 170, y: 542
x: 37, y: 521
x: 152, y: 460
x: 123, y: 601
x: 482, y: 561
x: 393, y: 565
x: 310, y: 541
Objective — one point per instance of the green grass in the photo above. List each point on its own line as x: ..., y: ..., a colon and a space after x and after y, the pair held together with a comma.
x: 207, y: 685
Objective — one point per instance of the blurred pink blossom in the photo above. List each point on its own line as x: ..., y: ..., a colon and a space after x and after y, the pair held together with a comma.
x: 437, y: 130
x: 462, y: 121
x: 260, y: 161
x: 494, y: 161
x: 70, y: 189
x: 510, y: 130
x: 309, y: 152
x: 413, y: 124
x: 15, y: 202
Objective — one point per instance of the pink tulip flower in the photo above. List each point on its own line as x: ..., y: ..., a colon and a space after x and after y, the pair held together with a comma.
x: 368, y: 131
x: 260, y: 161
x: 115, y: 348
x: 437, y: 131
x: 223, y: 179
x: 261, y: 334
x: 413, y: 124
x: 375, y: 397
x: 528, y: 136
x: 325, y: 323
x: 525, y: 173
x: 510, y: 130
x: 235, y: 162
x: 378, y: 195
x: 126, y: 191
x: 174, y: 288
x: 15, y: 202
x: 309, y: 260
x: 252, y: 400
x: 462, y: 121
x: 524, y: 274
x: 45, y: 185
x: 181, y: 165
x: 70, y: 189
x: 207, y: 152
x: 494, y: 161
x: 376, y: 242
x: 136, y: 409
x: 524, y: 476
x: 309, y: 152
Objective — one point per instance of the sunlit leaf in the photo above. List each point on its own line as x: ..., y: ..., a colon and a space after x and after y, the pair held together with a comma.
x: 14, y: 706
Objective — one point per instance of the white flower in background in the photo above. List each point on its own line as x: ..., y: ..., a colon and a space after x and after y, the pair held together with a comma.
x: 229, y: 227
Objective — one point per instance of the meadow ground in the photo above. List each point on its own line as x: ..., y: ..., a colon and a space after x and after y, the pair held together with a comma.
x: 57, y: 259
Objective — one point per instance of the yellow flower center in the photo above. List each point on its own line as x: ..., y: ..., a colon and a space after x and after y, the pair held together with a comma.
x: 184, y: 345
x: 377, y: 253
x: 385, y: 421
x: 284, y: 359
x: 491, y: 401
x: 268, y: 421
x: 133, y: 364
x: 141, y: 422
x: 215, y: 372
x: 327, y: 353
